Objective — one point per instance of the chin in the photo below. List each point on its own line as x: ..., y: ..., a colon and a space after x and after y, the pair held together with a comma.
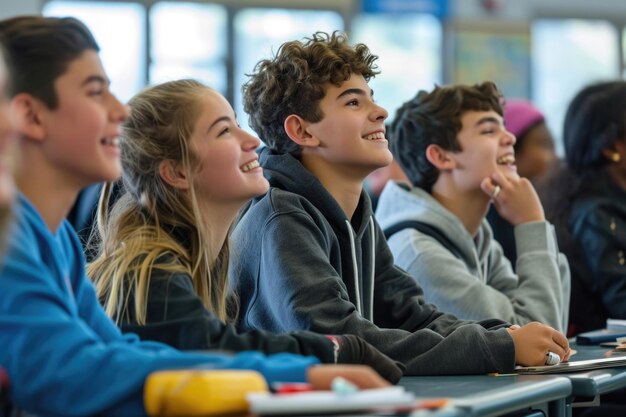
x: 113, y: 174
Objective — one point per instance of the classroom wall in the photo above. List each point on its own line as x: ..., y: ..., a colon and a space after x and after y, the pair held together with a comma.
x: 10, y: 8
x: 517, y: 10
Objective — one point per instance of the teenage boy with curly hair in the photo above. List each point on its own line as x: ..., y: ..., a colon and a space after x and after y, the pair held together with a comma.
x: 311, y: 256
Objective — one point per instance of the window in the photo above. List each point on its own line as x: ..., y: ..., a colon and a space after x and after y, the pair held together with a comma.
x: 567, y: 55
x: 259, y: 33
x: 409, y: 47
x: 188, y: 40
x: 119, y: 30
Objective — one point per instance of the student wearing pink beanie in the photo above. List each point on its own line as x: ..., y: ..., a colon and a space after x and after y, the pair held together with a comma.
x: 534, y: 153
x: 534, y: 148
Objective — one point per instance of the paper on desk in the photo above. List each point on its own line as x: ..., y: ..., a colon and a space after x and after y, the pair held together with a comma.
x: 330, y: 402
x: 574, y: 366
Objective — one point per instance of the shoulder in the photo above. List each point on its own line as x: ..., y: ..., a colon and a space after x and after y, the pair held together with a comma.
x: 598, y: 211
x: 278, y: 203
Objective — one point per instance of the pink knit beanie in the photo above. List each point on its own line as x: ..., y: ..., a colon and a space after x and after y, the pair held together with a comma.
x: 520, y: 116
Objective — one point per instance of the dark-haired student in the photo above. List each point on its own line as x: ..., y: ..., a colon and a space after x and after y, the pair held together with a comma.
x: 586, y: 200
x: 312, y: 256
x: 453, y: 145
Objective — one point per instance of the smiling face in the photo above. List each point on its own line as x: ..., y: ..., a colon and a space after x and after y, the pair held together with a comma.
x: 229, y: 169
x: 81, y: 133
x: 486, y: 146
x: 352, y: 131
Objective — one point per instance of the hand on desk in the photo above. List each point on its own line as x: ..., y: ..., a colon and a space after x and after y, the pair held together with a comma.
x: 364, y: 377
x: 534, y: 340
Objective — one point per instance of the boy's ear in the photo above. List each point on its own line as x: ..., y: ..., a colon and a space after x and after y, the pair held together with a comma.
x: 440, y: 158
x: 25, y: 112
x: 296, y: 128
x: 171, y: 173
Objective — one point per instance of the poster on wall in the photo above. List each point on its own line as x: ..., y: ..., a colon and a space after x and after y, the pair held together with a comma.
x: 500, y: 54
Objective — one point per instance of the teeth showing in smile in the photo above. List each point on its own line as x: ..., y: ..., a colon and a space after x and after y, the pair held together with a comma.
x: 110, y: 141
x: 375, y: 136
x: 250, y: 165
x: 506, y: 160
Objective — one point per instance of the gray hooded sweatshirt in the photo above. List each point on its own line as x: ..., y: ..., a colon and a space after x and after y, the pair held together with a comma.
x: 477, y: 282
x: 300, y: 264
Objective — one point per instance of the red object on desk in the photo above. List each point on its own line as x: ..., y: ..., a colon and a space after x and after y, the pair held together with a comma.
x: 293, y: 388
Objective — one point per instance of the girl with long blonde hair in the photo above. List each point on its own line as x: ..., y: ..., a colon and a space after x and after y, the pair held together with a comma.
x: 162, y: 247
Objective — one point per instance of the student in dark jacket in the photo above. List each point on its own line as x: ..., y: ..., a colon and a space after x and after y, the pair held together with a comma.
x: 162, y: 262
x: 312, y: 257
x: 586, y: 201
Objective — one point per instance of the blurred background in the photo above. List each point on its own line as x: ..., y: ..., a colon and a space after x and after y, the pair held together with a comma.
x: 542, y: 50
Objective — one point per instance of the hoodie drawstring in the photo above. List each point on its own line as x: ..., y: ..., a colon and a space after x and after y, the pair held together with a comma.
x: 373, y: 268
x: 355, y: 267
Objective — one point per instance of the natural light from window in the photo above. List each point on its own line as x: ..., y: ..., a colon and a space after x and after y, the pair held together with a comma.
x: 119, y: 29
x: 567, y: 55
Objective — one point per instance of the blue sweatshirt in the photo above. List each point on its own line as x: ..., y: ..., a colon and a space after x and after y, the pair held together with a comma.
x: 63, y: 354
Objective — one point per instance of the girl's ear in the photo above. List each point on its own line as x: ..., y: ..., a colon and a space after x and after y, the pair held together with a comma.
x: 296, y: 128
x: 26, y: 115
x: 615, y: 153
x: 173, y: 175
x: 440, y: 158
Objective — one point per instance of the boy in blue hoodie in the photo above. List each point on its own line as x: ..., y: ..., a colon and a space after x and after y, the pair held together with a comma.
x: 453, y: 145
x: 312, y: 257
x: 61, y: 352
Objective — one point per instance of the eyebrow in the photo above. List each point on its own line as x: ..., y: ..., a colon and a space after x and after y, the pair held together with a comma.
x: 357, y: 91
x: 96, y: 79
x: 487, y: 119
x: 219, y: 119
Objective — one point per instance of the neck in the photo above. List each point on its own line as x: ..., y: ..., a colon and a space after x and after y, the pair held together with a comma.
x: 616, y: 173
x: 469, y: 206
x: 343, y: 183
x: 219, y: 217
x: 52, y: 193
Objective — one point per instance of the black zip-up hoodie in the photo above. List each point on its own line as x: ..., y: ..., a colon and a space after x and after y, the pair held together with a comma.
x: 300, y: 264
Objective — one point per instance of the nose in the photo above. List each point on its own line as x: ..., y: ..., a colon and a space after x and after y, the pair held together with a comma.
x: 379, y: 113
x: 508, y: 138
x: 118, y: 111
x: 248, y: 142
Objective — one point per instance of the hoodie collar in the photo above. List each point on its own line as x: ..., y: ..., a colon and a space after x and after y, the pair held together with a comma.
x: 286, y: 172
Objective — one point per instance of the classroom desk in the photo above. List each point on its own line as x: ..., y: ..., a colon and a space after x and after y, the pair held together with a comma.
x: 486, y: 396
x: 592, y: 384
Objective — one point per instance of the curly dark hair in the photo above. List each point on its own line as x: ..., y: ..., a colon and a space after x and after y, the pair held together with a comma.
x: 435, y: 118
x: 294, y: 81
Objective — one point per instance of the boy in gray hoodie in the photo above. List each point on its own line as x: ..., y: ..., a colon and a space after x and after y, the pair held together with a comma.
x: 310, y: 254
x: 454, y: 148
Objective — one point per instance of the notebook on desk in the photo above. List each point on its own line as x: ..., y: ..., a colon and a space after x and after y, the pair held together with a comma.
x: 573, y: 366
x: 596, y: 337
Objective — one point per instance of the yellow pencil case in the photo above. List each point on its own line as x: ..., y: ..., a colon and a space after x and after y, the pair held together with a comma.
x: 200, y: 392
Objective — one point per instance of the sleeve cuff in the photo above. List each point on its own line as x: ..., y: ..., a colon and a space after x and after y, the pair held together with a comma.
x: 535, y: 237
